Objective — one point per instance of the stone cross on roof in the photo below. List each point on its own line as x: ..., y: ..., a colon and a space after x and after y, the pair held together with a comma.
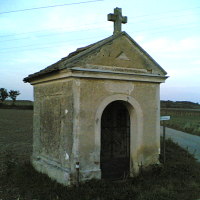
x: 118, y: 19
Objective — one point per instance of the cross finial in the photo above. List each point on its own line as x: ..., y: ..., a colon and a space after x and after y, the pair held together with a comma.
x: 118, y: 19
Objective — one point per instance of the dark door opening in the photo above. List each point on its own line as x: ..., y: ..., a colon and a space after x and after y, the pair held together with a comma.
x: 115, y: 141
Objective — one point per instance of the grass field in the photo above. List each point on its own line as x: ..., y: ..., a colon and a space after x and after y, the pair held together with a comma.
x: 177, y: 179
x: 16, y: 132
x: 188, y: 124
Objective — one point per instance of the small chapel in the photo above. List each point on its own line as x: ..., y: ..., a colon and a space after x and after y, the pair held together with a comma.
x: 97, y: 111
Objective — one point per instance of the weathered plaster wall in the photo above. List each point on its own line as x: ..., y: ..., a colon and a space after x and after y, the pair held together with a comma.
x: 53, y: 118
x: 65, y: 125
x: 147, y: 94
x: 149, y: 100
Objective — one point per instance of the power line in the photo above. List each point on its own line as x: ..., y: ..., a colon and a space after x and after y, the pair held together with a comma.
x: 170, y: 11
x: 160, y: 18
x: 52, y: 29
x: 65, y: 41
x: 156, y: 30
x: 51, y: 43
x: 56, y: 33
x: 45, y: 46
x: 83, y: 28
x: 44, y: 7
x: 140, y: 16
x: 186, y: 25
x: 165, y: 28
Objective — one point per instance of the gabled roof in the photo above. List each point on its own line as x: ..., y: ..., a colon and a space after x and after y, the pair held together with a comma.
x: 81, y: 53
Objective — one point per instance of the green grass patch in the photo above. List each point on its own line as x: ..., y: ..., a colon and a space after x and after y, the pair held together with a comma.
x: 177, y: 179
x: 189, y: 124
x: 16, y: 127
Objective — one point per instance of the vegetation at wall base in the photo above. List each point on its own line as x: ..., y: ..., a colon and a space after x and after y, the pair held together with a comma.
x: 177, y: 179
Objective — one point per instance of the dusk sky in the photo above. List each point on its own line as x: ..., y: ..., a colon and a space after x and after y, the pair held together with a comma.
x: 38, y: 33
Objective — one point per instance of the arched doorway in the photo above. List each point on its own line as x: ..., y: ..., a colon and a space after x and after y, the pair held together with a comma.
x: 115, y: 141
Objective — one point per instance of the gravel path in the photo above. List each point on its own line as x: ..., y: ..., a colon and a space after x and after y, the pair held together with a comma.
x: 185, y: 140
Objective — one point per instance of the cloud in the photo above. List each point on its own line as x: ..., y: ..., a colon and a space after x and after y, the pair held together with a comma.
x: 179, y: 92
x: 7, y: 25
x: 69, y: 21
x: 180, y: 58
x: 168, y: 45
x: 139, y: 38
x: 196, y: 62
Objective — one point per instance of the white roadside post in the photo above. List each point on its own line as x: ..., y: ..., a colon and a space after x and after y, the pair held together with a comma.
x: 164, y: 118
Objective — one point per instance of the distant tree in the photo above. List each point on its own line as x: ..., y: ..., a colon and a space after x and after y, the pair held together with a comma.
x: 13, y: 95
x: 180, y: 104
x: 3, y: 94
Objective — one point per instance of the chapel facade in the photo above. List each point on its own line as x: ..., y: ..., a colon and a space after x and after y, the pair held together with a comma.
x: 97, y: 111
